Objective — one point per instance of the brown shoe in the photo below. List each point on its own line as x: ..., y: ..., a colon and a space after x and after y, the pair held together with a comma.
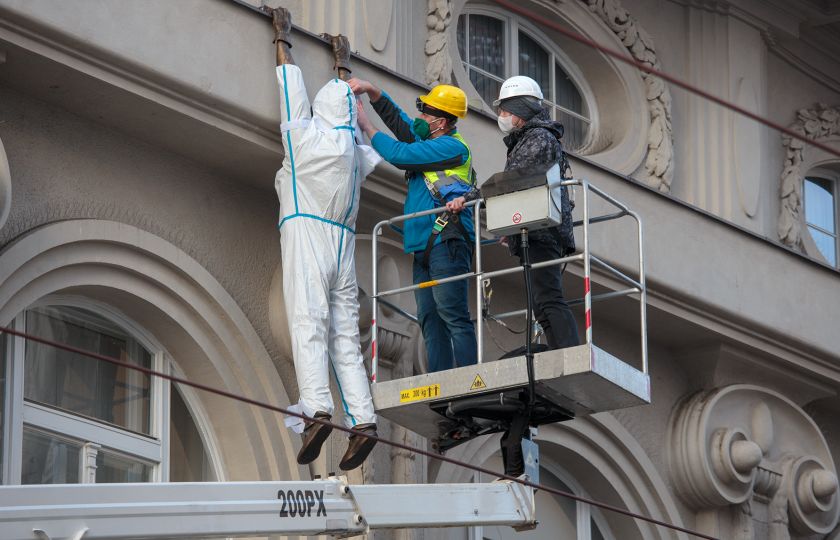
x: 313, y: 438
x: 359, y: 447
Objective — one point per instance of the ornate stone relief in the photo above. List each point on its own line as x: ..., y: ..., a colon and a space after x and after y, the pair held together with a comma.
x: 438, y: 58
x: 818, y: 123
x: 5, y: 186
x: 659, y: 165
x: 736, y: 446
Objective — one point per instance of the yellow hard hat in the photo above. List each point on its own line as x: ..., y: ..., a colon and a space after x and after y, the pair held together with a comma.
x: 447, y: 98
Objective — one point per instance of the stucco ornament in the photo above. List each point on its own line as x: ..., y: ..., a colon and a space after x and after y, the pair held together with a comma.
x: 438, y: 58
x: 735, y: 443
x: 5, y: 186
x: 821, y: 122
x: 659, y: 164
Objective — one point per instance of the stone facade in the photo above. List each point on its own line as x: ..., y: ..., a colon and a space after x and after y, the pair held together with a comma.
x: 138, y: 145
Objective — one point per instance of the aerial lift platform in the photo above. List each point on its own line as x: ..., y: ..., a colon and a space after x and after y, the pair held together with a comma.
x: 453, y: 406
x: 448, y: 407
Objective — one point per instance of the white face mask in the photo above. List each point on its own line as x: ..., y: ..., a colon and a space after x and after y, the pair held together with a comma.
x: 506, y: 124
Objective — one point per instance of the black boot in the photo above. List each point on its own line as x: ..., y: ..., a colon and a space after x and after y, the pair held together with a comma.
x: 359, y: 447
x: 313, y: 438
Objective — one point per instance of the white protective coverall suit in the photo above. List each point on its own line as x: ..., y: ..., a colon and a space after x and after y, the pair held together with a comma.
x: 318, y: 187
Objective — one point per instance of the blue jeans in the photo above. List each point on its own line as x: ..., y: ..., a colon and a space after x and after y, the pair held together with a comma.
x: 443, y: 310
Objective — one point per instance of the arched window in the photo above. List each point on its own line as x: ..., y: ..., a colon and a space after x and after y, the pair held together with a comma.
x: 821, y: 211
x: 560, y: 517
x: 494, y: 47
x: 69, y: 418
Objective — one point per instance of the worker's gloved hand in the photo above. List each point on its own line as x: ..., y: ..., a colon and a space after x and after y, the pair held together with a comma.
x: 341, y: 51
x: 281, y: 20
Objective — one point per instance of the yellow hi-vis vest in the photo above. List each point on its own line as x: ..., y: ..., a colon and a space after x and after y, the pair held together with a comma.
x: 463, y: 173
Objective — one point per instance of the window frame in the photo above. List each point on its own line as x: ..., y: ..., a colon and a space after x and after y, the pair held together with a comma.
x: 585, y: 514
x: 151, y: 449
x: 833, y: 176
x: 512, y: 25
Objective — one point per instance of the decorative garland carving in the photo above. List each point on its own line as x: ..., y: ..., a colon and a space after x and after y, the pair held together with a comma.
x: 818, y: 123
x: 438, y: 59
x: 659, y: 164
x: 731, y: 444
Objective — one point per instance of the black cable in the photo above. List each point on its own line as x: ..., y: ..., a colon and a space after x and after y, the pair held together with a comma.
x: 529, y: 322
x: 350, y: 431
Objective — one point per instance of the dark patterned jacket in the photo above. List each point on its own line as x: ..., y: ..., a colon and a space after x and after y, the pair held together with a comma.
x: 536, y: 143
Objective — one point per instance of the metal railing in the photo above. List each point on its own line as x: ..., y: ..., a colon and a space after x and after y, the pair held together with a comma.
x: 637, y: 286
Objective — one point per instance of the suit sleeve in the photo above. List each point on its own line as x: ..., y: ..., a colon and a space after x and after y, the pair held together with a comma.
x: 429, y: 155
x: 395, y: 118
x: 294, y: 103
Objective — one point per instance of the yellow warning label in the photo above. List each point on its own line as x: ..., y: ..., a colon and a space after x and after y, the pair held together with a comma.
x: 421, y: 392
x: 478, y: 383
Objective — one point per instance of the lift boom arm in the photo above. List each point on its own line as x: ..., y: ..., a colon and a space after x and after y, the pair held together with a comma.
x: 237, y: 509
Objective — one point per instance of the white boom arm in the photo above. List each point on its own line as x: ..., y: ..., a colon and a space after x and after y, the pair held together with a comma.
x: 235, y: 509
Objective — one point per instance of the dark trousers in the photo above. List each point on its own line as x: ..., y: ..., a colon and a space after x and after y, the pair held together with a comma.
x: 443, y: 311
x: 550, y: 307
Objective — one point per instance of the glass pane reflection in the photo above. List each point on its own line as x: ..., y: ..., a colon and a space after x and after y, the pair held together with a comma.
x: 84, y: 385
x: 48, y: 459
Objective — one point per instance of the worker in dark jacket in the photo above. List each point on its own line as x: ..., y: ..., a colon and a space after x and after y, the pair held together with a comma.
x: 438, y: 166
x: 532, y: 139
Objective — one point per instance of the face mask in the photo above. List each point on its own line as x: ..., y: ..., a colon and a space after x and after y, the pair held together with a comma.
x: 506, y: 124
x: 422, y: 129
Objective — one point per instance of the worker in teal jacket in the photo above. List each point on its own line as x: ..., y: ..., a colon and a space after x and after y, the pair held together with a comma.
x: 438, y: 166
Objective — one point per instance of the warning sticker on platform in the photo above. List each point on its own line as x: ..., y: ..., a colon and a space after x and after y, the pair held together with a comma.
x: 421, y: 392
x: 478, y: 383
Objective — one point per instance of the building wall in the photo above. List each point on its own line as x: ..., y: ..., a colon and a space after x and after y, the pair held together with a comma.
x: 141, y: 142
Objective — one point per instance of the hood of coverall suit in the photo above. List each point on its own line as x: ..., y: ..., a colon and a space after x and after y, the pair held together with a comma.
x: 338, y: 161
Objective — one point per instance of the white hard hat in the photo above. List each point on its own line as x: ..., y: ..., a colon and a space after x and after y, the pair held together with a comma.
x: 520, y: 85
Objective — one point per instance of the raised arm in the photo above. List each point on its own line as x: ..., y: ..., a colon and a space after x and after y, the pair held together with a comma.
x: 281, y: 20
x: 397, y: 121
x: 294, y: 103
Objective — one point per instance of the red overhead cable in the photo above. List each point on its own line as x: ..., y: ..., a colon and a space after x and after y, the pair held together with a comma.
x: 412, y: 449
x: 662, y: 75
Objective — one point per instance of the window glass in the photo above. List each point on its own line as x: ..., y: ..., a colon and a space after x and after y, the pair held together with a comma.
x: 486, y: 51
x: 826, y: 244
x: 83, y: 385
x: 820, y: 208
x: 568, y: 97
x: 596, y: 532
x: 819, y: 203
x: 49, y: 459
x: 535, y: 63
x: 483, y: 49
x: 113, y: 468
x: 188, y: 460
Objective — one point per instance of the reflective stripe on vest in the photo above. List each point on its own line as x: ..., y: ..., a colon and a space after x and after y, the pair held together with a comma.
x: 437, y: 179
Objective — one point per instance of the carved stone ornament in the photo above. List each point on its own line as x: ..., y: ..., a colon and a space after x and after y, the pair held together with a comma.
x: 733, y: 443
x: 659, y: 164
x: 818, y: 123
x: 5, y: 186
x: 438, y: 58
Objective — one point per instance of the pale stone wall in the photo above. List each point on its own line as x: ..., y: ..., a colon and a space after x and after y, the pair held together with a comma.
x: 157, y: 138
